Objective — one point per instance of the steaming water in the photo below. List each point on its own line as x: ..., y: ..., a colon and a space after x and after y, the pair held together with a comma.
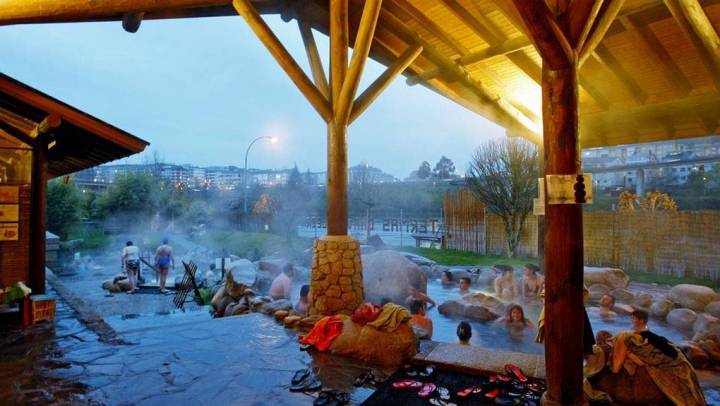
x: 487, y: 335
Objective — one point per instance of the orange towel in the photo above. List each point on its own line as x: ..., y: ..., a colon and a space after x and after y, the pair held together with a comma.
x: 326, y: 330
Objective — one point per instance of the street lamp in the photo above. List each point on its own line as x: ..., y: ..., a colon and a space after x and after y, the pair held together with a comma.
x: 245, y: 174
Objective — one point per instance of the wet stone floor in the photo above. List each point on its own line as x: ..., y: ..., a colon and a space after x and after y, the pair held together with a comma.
x: 246, y: 360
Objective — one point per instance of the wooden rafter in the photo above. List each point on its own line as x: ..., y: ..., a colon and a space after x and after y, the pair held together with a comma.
x: 646, y: 37
x: 363, y: 40
x: 283, y: 57
x: 428, y: 24
x: 601, y: 23
x: 692, y: 19
x: 316, y: 66
x: 49, y: 123
x: 606, y: 58
x: 383, y: 81
x: 339, y: 40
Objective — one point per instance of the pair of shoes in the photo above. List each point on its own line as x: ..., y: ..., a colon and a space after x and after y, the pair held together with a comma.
x: 473, y: 390
x: 426, y: 389
x: 441, y: 402
x: 308, y: 384
x: 366, y: 378
x: 515, y: 371
x: 331, y: 397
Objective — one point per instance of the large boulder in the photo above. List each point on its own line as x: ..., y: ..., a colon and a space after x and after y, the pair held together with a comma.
x: 419, y: 260
x: 683, y: 319
x: 478, y: 308
x: 643, y: 301
x: 242, y: 270
x: 713, y: 308
x: 613, y: 278
x: 623, y: 295
x: 373, y: 346
x: 484, y: 276
x: 694, y: 297
x: 458, y: 273
x: 272, y: 266
x: 660, y: 308
x: 705, y: 322
x: 452, y: 308
x: 276, y: 305
x: 479, y: 313
x: 623, y: 309
x: 597, y: 291
x: 388, y: 275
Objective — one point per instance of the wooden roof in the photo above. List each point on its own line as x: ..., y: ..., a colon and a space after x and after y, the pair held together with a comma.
x: 654, y: 76
x: 81, y: 140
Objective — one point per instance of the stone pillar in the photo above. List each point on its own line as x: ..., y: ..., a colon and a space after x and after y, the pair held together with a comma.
x: 640, y: 183
x: 337, y: 282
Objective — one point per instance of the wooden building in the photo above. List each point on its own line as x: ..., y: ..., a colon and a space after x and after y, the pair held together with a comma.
x: 561, y: 73
x: 42, y: 138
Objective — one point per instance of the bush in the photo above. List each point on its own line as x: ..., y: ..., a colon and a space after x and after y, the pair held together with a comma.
x: 63, y: 207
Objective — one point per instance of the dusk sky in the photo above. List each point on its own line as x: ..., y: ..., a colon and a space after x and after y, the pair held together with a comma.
x: 200, y: 90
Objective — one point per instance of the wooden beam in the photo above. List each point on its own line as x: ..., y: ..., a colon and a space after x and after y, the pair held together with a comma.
x: 383, y: 81
x: 339, y: 40
x: 605, y: 18
x: 17, y: 121
x: 131, y: 21
x: 692, y: 19
x: 468, y: 19
x: 580, y: 21
x: 313, y: 55
x: 17, y: 133
x: 646, y: 37
x: 363, y: 41
x: 548, y: 38
x: 283, y: 57
x: 49, y: 123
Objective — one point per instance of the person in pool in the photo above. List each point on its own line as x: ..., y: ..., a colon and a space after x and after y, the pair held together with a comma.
x: 505, y: 283
x: 414, y: 294
x: 446, y: 278
x: 514, y: 320
x: 464, y: 285
x: 422, y: 325
x: 301, y: 307
x: 464, y: 333
x: 607, y: 302
x: 532, y: 282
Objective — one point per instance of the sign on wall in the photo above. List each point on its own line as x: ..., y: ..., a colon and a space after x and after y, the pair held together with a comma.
x: 9, y: 231
x: 9, y: 194
x: 9, y: 212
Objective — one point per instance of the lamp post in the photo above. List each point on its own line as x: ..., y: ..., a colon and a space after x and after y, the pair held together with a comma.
x: 245, y: 174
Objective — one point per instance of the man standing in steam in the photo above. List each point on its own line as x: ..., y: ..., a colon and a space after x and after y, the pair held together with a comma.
x: 164, y: 260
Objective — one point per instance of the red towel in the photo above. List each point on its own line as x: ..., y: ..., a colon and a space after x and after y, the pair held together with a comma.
x: 324, y: 333
x: 366, y: 313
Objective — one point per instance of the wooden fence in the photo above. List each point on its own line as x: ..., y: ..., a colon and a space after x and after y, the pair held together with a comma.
x: 680, y: 243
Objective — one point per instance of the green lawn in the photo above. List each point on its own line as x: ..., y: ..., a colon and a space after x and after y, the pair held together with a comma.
x: 254, y: 245
x: 91, y: 237
x: 455, y: 257
x: 646, y: 277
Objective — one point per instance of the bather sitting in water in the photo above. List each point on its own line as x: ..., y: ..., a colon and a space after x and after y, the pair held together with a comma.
x: 607, y: 302
x: 532, y: 282
x: 514, y: 320
x: 415, y: 294
x: 446, y: 278
x: 505, y: 283
x: 422, y: 325
x: 464, y: 285
x: 301, y: 307
x: 464, y: 333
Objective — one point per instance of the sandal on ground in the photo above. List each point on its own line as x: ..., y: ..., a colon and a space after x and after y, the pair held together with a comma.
x: 426, y: 390
x: 466, y: 392
x: 300, y: 376
x: 324, y: 398
x: 309, y: 384
x: 407, y: 384
x: 341, y: 397
x: 440, y: 402
x: 444, y: 393
x: 493, y: 393
x: 516, y: 371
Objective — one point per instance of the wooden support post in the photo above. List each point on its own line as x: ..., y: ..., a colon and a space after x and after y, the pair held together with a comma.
x: 563, y: 242
x: 38, y: 185
x: 314, y: 58
x: 337, y: 171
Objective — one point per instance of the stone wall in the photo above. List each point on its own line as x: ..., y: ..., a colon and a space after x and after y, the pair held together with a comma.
x: 337, y: 283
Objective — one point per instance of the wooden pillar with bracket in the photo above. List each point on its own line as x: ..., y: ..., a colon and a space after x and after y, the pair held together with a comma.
x: 38, y: 187
x: 564, y: 33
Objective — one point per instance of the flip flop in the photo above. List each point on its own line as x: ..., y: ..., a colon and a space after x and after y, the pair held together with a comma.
x: 407, y: 384
x: 426, y: 390
x: 536, y: 387
x: 310, y: 384
x: 493, y: 393
x: 323, y: 399
x: 477, y: 390
x: 515, y: 370
x: 466, y: 392
x: 502, y: 378
x: 444, y: 393
x: 300, y: 376
x: 341, y: 397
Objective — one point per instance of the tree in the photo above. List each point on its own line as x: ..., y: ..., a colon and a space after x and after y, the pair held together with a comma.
x: 444, y: 168
x: 131, y: 193
x: 424, y: 171
x: 503, y: 175
x: 64, y: 204
x: 363, y: 192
